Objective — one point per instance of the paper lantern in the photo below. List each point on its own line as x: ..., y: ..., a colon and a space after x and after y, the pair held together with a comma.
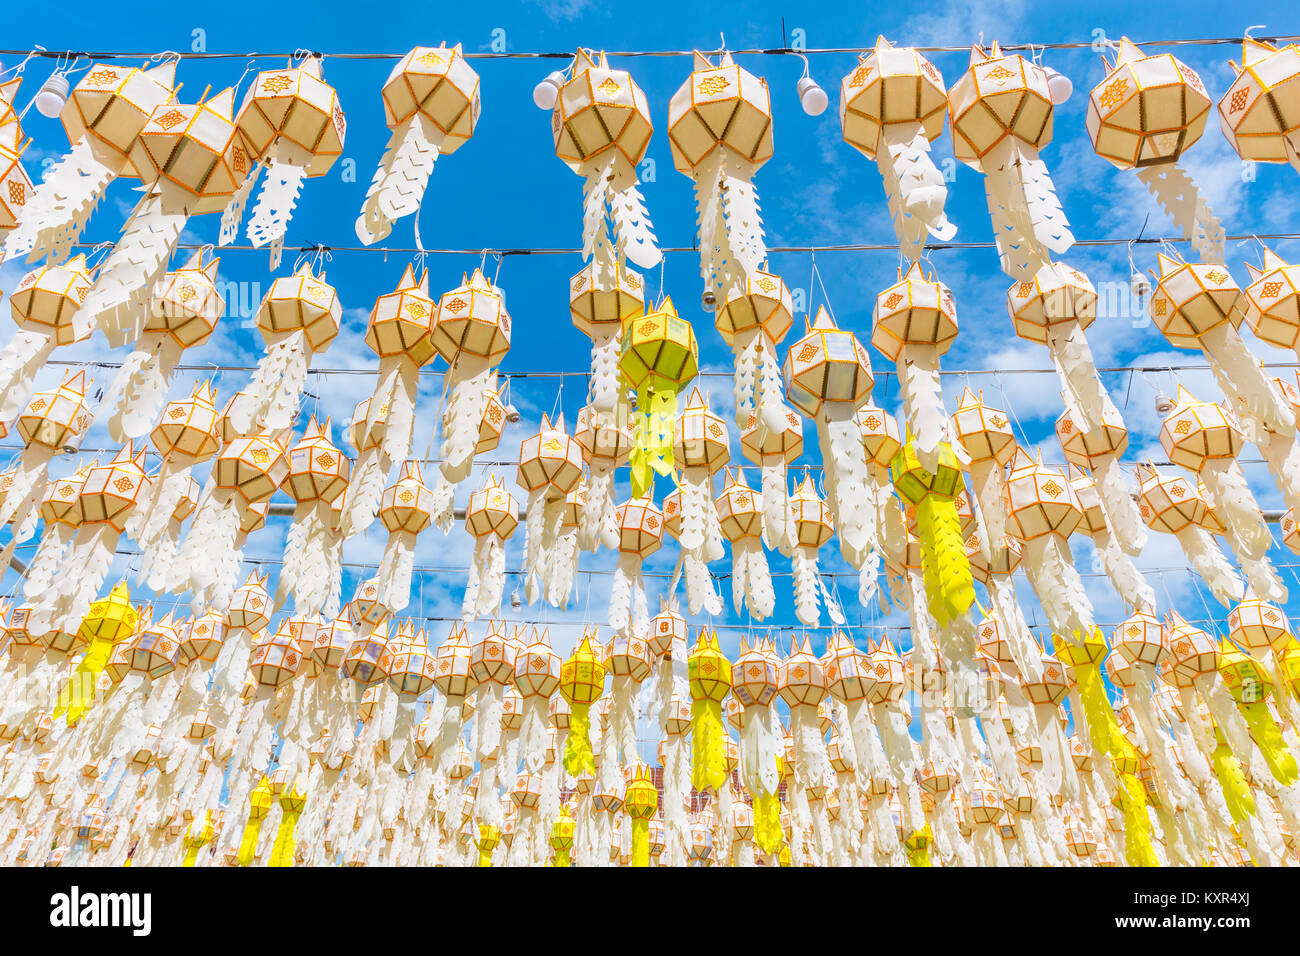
x: 828, y: 378
x: 103, y: 116
x: 431, y: 104
x: 291, y: 122
x: 550, y: 466
x: 51, y: 421
x: 892, y: 107
x: 298, y: 318
x: 914, y: 323
x: 606, y: 440
x: 699, y: 449
x: 1042, y: 511
x: 1196, y: 306
x: 471, y: 331
x: 812, y: 527
x: 949, y: 587
x: 400, y: 333
x: 720, y: 133
x: 1001, y: 116
x: 316, y: 478
x: 1258, y: 627
x: 582, y: 678
x: 188, y: 157
x: 183, y: 313
x: 247, y: 472
x: 640, y: 533
x: 1145, y: 113
x: 658, y: 356
x: 42, y: 306
x: 773, y: 450
x: 1200, y: 437
x: 1260, y: 112
x: 405, y: 508
x: 753, y: 320
x: 491, y: 516
x: 16, y: 188
x: 740, y: 517
x: 1176, y: 506
x: 601, y: 125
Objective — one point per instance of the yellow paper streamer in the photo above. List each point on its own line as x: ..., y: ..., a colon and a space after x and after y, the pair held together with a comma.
x: 653, y: 451
x: 582, y: 681
x: 562, y: 837
x: 709, y: 673
x: 1085, y: 659
x: 640, y: 801
x: 768, y: 835
x: 1236, y: 792
x: 918, y: 846
x: 488, y: 838
x: 197, y: 841
x: 949, y: 585
x: 640, y: 842
x: 1250, y: 685
x: 259, y: 805
x: 578, y: 758
x: 108, y: 622
x: 292, y: 800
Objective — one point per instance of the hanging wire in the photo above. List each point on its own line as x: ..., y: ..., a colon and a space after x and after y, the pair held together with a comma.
x: 753, y: 51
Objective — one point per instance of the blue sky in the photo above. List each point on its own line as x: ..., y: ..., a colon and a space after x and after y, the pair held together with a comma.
x: 506, y: 189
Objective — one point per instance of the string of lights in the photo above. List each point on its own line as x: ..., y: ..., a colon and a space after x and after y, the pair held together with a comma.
x: 568, y: 54
x: 507, y: 251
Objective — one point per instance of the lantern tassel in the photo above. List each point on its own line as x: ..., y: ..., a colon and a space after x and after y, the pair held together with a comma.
x: 275, y: 205
x: 1239, y: 375
x: 270, y: 400
x: 127, y: 278
x: 708, y: 756
x: 1177, y: 194
x: 803, y: 563
x: 21, y: 360
x: 1057, y: 584
x: 1118, y: 506
x: 140, y: 388
x: 233, y: 214
x: 399, y: 183
x: 1236, y: 505
x: 1209, y: 562
x: 61, y: 205
x: 914, y: 187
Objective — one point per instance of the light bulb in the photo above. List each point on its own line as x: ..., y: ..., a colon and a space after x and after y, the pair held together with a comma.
x: 812, y: 97
x: 515, y: 602
x: 52, y: 95
x: 545, y: 92
x: 1164, y: 404
x: 1140, y: 285
x: 1059, y: 86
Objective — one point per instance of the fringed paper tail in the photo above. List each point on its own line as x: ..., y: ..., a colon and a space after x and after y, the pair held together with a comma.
x: 270, y: 400
x: 633, y: 231
x: 1238, y: 373
x: 61, y: 206
x: 395, y: 570
x: 914, y: 187
x: 778, y: 519
x: 1124, y: 576
x: 140, y: 389
x: 1117, y: 504
x: 1058, y: 585
x: 1236, y: 505
x: 400, y: 181
x: 803, y: 562
x: 1209, y: 562
x: 127, y: 278
x: 275, y: 205
x: 21, y: 359
x: 1177, y: 194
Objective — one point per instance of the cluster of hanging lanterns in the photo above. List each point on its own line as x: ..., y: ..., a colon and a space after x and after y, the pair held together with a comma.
x: 300, y: 728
